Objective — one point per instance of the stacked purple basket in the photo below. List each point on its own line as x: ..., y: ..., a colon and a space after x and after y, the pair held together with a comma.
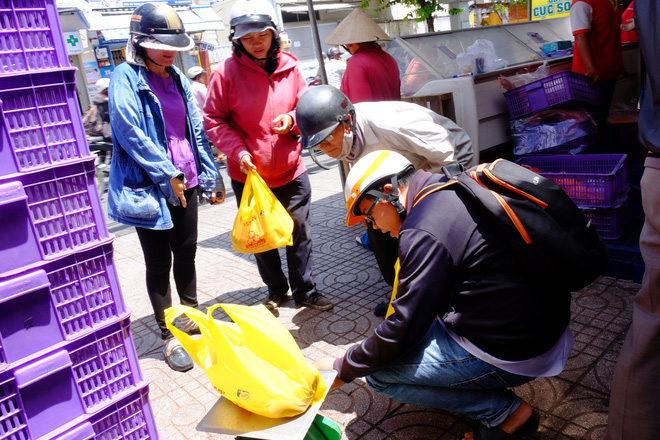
x: 68, y: 366
x: 563, y: 89
x: 597, y: 183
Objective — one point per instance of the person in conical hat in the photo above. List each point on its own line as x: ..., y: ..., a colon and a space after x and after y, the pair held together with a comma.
x: 371, y: 73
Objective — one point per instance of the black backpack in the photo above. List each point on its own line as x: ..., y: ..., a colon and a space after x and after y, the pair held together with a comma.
x: 557, y: 246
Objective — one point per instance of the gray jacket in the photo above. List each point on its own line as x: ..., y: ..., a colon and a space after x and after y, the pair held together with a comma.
x: 427, y: 139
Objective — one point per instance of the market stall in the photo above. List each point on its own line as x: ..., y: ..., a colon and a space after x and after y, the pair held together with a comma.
x: 469, y: 62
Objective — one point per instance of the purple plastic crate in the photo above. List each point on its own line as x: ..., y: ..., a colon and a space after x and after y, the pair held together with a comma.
x: 41, y: 124
x: 62, y: 301
x: 65, y: 214
x: 608, y: 221
x: 560, y: 88
x: 28, y: 323
x: 69, y: 386
x: 128, y: 419
x: 18, y: 242
x: 85, y: 290
x: 30, y: 37
x: 588, y: 179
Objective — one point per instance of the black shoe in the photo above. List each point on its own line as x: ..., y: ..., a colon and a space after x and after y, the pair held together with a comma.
x: 272, y: 303
x: 381, y: 309
x: 177, y: 358
x: 317, y: 301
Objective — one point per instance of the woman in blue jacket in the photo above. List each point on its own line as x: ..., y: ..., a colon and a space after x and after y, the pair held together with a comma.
x: 161, y: 163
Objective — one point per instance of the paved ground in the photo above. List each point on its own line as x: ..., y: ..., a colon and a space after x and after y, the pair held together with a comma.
x: 572, y: 405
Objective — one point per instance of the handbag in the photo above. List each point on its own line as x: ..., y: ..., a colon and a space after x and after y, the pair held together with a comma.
x: 253, y: 361
x: 262, y: 223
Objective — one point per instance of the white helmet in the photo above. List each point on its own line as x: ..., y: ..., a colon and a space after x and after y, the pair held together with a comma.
x: 194, y: 72
x: 370, y: 173
x: 102, y: 84
x: 247, y: 16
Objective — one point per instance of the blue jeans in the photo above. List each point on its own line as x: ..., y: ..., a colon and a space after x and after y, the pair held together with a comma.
x: 439, y: 373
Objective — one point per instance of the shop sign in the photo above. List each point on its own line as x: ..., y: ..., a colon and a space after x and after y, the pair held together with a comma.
x: 73, y: 42
x: 544, y: 9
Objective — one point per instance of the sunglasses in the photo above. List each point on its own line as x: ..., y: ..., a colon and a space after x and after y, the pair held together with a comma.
x: 367, y: 215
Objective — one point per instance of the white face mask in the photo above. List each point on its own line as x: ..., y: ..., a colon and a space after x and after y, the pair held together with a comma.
x: 346, y: 145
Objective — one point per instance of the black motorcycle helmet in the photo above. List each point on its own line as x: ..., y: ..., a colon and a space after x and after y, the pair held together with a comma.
x: 319, y: 111
x: 161, y: 22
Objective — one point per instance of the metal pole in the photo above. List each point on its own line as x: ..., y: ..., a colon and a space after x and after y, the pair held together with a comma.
x: 317, y: 41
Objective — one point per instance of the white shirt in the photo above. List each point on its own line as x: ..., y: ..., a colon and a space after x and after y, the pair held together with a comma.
x: 199, y: 94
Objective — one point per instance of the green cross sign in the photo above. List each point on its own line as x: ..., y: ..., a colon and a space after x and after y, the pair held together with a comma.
x: 72, y: 40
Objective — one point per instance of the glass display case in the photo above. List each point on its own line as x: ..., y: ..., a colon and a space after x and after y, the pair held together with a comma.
x: 476, y: 51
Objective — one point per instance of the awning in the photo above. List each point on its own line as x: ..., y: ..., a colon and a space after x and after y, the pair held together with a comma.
x: 114, y: 28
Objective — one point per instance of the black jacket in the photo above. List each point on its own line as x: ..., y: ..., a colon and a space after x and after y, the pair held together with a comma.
x: 456, y: 264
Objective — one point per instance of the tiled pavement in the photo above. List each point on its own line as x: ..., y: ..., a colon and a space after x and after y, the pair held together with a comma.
x: 572, y: 405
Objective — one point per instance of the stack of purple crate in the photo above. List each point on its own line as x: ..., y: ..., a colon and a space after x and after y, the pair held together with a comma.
x: 597, y: 183
x: 68, y: 366
x: 535, y: 129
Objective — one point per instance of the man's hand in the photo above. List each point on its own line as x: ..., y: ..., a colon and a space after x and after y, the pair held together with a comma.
x: 247, y: 165
x: 179, y: 187
x: 628, y: 25
x: 282, y: 124
x: 328, y: 364
x: 217, y: 197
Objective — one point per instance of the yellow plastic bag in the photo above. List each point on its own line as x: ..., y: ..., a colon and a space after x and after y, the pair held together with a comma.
x: 253, y: 361
x: 262, y: 223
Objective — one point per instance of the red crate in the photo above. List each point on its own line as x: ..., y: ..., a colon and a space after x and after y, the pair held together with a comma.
x: 30, y: 37
x: 40, y: 122
x: 560, y: 88
x: 588, y: 179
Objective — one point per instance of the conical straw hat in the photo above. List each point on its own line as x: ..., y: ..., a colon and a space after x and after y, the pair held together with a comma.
x: 357, y: 27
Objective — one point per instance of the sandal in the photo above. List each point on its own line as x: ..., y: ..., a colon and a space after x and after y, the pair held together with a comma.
x: 525, y: 431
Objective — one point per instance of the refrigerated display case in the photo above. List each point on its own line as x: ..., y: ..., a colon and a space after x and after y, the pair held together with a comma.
x: 447, y: 62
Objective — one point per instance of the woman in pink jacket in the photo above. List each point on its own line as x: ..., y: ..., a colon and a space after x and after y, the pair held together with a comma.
x: 249, y: 115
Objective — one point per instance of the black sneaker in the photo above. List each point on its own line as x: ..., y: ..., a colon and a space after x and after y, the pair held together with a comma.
x: 381, y: 309
x: 274, y: 302
x: 317, y: 301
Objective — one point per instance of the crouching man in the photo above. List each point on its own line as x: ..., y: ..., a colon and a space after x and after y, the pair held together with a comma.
x: 465, y: 323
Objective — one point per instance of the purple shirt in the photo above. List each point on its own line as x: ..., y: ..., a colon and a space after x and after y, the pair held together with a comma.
x: 179, y: 149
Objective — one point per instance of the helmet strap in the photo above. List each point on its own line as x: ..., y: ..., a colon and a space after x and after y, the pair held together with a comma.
x: 391, y: 198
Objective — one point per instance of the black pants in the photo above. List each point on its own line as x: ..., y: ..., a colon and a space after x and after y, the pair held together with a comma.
x: 161, y: 248
x: 386, y: 251
x: 295, y: 196
x: 605, y: 96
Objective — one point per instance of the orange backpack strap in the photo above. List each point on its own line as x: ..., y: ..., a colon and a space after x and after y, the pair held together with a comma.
x: 431, y: 189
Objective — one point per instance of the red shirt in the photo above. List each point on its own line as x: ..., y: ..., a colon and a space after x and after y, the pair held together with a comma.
x: 603, y: 34
x: 371, y: 75
x: 628, y: 36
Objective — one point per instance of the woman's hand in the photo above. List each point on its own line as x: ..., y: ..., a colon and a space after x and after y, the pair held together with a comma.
x: 328, y: 364
x: 179, y: 187
x: 282, y: 124
x: 247, y: 165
